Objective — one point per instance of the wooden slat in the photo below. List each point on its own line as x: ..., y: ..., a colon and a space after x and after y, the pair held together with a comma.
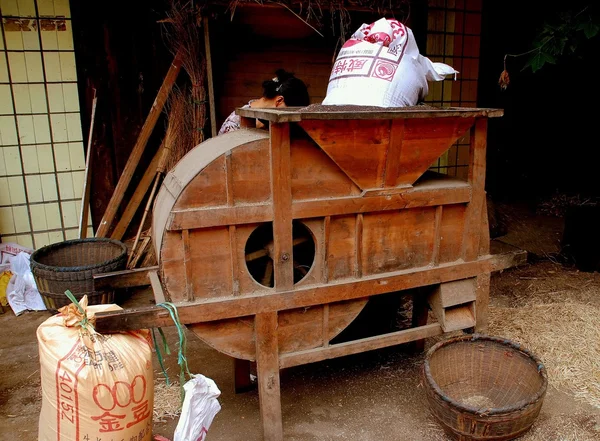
x: 209, y: 75
x: 415, y: 197
x: 159, y: 294
x: 357, y: 346
x: 138, y: 196
x: 325, y: 252
x: 282, y: 206
x: 326, y: 325
x: 437, y: 235
x: 230, y: 307
x: 138, y: 149
x: 123, y: 279
x: 358, y: 250
x: 187, y: 262
x: 267, y: 364
x: 392, y: 165
x: 235, y: 275
x: 482, y: 292
x: 87, y: 179
x: 296, y: 115
x: 477, y: 164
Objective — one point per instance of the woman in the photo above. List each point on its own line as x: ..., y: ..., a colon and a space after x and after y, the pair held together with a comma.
x: 285, y: 90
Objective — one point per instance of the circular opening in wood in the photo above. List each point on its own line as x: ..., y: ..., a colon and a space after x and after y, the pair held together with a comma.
x: 259, y: 253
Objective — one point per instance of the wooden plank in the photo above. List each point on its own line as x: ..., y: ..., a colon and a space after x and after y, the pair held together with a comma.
x: 459, y: 317
x: 87, y: 179
x: 123, y: 279
x: 187, y: 263
x: 477, y: 164
x: 235, y: 275
x: 437, y: 235
x: 358, y: 346
x: 358, y: 249
x: 209, y: 75
x: 282, y: 206
x: 296, y: 114
x: 267, y: 364
x: 482, y: 292
x: 392, y: 164
x: 457, y: 292
x: 138, y: 196
x: 138, y: 149
x: 257, y: 213
x: 325, y: 252
x: 424, y: 141
x: 240, y: 306
x: 159, y: 294
x: 359, y: 148
x: 396, y: 240
x: 139, y: 252
x: 326, y: 325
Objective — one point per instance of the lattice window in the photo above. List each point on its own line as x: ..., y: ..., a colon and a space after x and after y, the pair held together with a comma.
x: 41, y: 145
x: 453, y: 37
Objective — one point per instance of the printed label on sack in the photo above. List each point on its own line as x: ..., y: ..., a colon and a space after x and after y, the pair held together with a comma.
x: 366, y: 58
x: 116, y: 406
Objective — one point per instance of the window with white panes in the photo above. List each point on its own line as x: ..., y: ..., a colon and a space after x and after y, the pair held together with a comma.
x: 42, y: 160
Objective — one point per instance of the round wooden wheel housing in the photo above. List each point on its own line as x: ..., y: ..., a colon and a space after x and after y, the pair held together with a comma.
x: 206, y: 251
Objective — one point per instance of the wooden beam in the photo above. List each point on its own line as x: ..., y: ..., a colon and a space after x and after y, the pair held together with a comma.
x: 267, y: 365
x: 138, y: 149
x: 414, y: 197
x: 209, y: 77
x: 473, y: 229
x: 358, y: 346
x: 281, y: 190
x: 138, y: 195
x: 392, y: 162
x: 159, y: 294
x: 239, y: 306
x: 123, y: 279
x: 87, y: 179
x: 297, y: 114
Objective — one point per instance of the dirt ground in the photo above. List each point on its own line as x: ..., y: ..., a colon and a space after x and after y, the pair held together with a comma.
x: 377, y: 396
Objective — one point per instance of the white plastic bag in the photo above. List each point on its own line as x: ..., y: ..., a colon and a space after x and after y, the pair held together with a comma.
x: 8, y: 250
x: 200, y: 407
x: 380, y: 65
x: 22, y: 293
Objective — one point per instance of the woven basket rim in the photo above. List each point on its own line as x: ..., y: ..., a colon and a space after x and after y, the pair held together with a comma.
x: 501, y: 341
x: 65, y: 269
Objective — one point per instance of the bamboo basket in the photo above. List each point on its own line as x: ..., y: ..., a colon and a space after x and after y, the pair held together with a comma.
x: 484, y: 388
x: 71, y: 265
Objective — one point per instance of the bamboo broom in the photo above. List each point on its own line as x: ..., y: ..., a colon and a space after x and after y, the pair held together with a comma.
x: 177, y: 143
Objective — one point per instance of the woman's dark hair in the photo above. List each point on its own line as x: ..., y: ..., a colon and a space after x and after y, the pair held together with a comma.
x: 287, y: 85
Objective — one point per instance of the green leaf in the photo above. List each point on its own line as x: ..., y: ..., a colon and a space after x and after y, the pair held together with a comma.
x: 590, y: 29
x: 538, y: 60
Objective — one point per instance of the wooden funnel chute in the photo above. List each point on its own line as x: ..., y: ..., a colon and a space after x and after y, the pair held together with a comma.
x: 386, y: 153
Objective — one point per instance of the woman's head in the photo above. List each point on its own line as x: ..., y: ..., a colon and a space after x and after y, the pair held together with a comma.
x: 285, y: 90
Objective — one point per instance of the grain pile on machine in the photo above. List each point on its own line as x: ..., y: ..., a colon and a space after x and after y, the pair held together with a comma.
x: 271, y: 243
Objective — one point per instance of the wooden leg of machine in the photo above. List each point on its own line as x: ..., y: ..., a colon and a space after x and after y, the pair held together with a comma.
x: 482, y: 301
x: 419, y: 316
x: 267, y: 359
x: 242, y: 381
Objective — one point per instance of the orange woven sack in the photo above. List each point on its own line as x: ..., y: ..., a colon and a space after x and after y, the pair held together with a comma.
x: 93, y: 386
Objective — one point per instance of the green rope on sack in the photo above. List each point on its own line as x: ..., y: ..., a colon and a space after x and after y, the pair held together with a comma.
x: 84, y: 323
x: 182, y: 356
